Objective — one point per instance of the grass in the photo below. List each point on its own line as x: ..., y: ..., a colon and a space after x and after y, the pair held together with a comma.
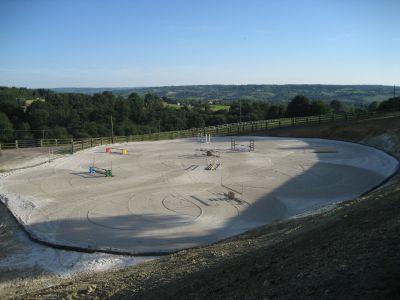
x: 219, y: 107
x: 176, y: 106
x: 215, y: 107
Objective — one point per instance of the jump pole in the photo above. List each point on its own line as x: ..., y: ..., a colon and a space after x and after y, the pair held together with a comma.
x: 208, y: 138
x: 233, y: 144
x: 251, y: 147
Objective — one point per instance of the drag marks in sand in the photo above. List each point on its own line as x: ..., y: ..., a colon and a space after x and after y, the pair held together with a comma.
x: 163, y: 199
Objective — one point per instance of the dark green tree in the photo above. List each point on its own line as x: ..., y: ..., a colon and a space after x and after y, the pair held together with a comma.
x: 373, y: 106
x: 6, y: 128
x: 319, y: 107
x: 392, y: 104
x: 336, y: 106
x: 298, y: 107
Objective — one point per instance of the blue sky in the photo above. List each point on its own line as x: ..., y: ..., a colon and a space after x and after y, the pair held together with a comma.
x: 116, y: 43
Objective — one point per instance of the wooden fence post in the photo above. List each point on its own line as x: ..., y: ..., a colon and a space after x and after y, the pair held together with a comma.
x: 72, y: 145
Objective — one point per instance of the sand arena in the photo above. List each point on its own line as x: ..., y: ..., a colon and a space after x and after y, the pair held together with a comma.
x: 162, y: 198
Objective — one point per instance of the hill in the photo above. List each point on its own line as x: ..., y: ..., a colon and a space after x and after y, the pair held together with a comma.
x: 275, y: 93
x: 351, y: 251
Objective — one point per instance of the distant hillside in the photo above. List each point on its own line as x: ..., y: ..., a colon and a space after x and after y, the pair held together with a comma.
x: 275, y: 93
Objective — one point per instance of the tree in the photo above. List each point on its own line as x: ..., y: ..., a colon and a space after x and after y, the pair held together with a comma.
x: 373, y: 106
x: 392, y: 104
x: 195, y: 120
x: 337, y: 106
x: 216, y: 120
x: 276, y: 111
x: 38, y: 115
x: 319, y: 107
x: 6, y: 127
x: 137, y: 108
x: 299, y: 106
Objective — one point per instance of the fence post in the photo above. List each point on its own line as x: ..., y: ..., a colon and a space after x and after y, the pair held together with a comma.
x: 16, y: 144
x: 56, y: 142
x: 41, y: 143
x: 91, y: 142
x: 72, y: 145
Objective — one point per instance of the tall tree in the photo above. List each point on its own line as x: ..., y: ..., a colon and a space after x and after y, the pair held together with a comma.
x: 6, y: 127
x: 299, y: 106
x: 319, y: 107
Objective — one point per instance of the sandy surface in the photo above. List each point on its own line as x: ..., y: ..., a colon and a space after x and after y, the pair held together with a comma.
x: 162, y: 198
x: 26, y: 157
x: 24, y: 263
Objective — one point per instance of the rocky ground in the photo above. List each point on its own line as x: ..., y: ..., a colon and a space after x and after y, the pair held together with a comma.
x: 350, y: 251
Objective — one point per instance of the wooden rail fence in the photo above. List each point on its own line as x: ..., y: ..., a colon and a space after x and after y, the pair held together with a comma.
x: 73, y: 145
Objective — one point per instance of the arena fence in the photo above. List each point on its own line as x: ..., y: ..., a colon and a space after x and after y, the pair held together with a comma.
x: 73, y: 145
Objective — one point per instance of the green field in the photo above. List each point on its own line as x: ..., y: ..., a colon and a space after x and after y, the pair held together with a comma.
x: 267, y: 92
x: 176, y: 106
x: 219, y: 107
x: 213, y: 107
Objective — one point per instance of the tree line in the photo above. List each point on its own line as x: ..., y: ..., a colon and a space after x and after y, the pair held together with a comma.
x: 64, y: 115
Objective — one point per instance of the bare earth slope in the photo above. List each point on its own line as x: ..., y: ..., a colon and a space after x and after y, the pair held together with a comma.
x: 350, y: 252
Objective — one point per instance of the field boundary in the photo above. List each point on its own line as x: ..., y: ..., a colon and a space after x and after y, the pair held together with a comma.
x: 73, y: 145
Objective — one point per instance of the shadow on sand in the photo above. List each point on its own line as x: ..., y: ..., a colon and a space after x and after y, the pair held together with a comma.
x: 137, y: 234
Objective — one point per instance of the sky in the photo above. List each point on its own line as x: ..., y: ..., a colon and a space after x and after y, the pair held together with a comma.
x: 137, y: 43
